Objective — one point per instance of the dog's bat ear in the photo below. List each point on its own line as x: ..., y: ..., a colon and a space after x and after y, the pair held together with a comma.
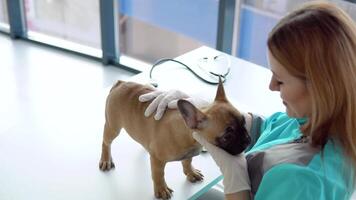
x: 192, y: 116
x: 220, y: 94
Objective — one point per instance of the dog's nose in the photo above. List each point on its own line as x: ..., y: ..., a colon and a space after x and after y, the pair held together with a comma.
x: 234, y: 143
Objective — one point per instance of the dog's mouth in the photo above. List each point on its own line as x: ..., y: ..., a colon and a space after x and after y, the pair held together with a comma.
x: 235, y: 138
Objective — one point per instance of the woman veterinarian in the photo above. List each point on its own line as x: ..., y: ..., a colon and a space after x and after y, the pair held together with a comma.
x: 309, y: 152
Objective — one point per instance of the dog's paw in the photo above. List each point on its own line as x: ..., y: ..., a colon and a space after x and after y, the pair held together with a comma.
x: 194, y: 175
x: 106, y: 165
x: 163, y: 192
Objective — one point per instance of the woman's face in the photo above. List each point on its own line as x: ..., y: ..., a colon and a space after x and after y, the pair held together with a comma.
x: 293, y: 90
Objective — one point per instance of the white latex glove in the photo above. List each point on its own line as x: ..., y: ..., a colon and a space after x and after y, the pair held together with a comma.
x: 233, y: 168
x: 164, y: 99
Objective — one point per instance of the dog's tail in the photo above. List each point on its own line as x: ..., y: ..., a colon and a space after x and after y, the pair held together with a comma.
x: 116, y: 84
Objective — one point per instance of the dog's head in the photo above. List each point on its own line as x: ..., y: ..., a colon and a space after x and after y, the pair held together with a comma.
x: 220, y: 123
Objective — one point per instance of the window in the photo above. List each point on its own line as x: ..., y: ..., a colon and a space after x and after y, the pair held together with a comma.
x: 73, y: 24
x: 4, y: 21
x: 139, y: 33
x: 159, y: 29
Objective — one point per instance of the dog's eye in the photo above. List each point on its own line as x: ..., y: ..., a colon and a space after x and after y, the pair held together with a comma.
x: 229, y: 129
x: 223, y: 141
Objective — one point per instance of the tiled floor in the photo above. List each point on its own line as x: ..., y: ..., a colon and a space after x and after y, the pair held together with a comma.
x: 51, y: 116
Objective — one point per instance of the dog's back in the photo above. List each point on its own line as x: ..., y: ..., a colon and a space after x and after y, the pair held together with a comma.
x: 168, y: 139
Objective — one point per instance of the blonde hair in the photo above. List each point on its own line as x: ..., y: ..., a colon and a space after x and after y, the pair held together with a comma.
x: 317, y: 43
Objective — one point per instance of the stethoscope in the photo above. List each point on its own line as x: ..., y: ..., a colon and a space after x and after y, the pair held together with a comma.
x: 211, y: 65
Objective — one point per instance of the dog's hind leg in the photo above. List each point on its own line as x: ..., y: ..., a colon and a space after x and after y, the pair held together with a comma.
x: 160, y: 187
x: 193, y: 175
x: 110, y: 134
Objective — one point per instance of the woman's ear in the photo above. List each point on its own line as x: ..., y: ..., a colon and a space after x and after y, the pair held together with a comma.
x: 193, y: 117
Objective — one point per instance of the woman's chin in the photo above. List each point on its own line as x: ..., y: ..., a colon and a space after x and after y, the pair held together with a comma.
x: 291, y: 113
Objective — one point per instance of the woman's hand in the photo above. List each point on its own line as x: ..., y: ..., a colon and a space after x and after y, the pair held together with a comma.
x: 162, y: 100
x: 233, y: 168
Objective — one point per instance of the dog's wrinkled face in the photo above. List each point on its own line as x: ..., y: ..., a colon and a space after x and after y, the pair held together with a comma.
x: 231, y: 135
x: 220, y: 123
x: 225, y: 127
x: 235, y: 138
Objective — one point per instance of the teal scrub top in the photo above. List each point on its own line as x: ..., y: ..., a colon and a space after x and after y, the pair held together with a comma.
x: 280, y: 168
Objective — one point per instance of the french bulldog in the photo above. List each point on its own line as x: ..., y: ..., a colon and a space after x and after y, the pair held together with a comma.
x: 170, y: 139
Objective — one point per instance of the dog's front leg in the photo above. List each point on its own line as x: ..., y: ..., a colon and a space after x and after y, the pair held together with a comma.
x: 193, y: 175
x: 160, y: 187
